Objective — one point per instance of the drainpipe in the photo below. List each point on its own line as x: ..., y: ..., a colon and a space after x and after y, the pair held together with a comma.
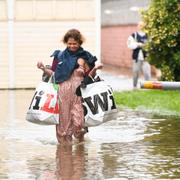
x: 98, y: 29
x: 165, y: 85
x: 10, y: 7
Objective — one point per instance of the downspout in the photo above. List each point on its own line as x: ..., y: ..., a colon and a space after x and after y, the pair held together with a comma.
x: 11, y: 73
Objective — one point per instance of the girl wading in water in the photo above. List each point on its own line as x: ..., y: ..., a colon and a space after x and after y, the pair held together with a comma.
x: 73, y: 64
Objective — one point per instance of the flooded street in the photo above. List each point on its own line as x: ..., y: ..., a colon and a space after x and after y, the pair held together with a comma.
x: 133, y: 146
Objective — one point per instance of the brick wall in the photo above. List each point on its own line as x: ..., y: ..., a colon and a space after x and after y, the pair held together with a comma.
x: 114, y: 49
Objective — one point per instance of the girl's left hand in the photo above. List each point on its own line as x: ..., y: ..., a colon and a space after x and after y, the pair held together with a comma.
x: 99, y: 66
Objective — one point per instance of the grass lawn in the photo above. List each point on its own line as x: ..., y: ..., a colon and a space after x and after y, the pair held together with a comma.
x: 160, y: 102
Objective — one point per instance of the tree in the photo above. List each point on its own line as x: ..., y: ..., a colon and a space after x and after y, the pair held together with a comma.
x: 162, y: 20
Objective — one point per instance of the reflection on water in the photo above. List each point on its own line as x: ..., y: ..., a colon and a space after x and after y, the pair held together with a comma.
x: 131, y: 147
x: 70, y: 164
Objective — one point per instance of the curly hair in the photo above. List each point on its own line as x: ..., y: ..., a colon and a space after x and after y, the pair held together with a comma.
x: 75, y: 34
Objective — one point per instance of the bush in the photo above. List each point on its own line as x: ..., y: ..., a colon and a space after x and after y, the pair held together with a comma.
x: 162, y: 20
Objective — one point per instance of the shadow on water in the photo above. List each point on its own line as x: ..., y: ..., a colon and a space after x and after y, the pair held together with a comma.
x: 133, y: 146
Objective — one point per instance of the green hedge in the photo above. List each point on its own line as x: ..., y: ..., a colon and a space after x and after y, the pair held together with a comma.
x: 162, y: 20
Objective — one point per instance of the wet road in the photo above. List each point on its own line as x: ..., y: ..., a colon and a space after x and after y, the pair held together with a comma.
x: 133, y: 146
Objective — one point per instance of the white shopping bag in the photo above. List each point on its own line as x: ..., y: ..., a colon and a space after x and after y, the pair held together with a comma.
x: 44, y: 107
x: 98, y: 102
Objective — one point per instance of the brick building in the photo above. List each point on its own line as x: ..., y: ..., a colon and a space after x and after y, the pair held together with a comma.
x: 118, y: 20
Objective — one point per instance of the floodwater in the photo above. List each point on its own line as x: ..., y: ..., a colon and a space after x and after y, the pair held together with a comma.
x: 133, y: 146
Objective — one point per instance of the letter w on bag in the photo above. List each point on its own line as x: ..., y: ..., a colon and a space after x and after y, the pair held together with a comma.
x: 98, y: 103
x: 103, y: 103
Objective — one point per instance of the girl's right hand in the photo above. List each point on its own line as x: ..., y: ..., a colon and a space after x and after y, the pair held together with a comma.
x: 40, y: 65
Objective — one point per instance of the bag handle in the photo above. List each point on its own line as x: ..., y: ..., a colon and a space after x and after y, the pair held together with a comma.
x: 52, y: 79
